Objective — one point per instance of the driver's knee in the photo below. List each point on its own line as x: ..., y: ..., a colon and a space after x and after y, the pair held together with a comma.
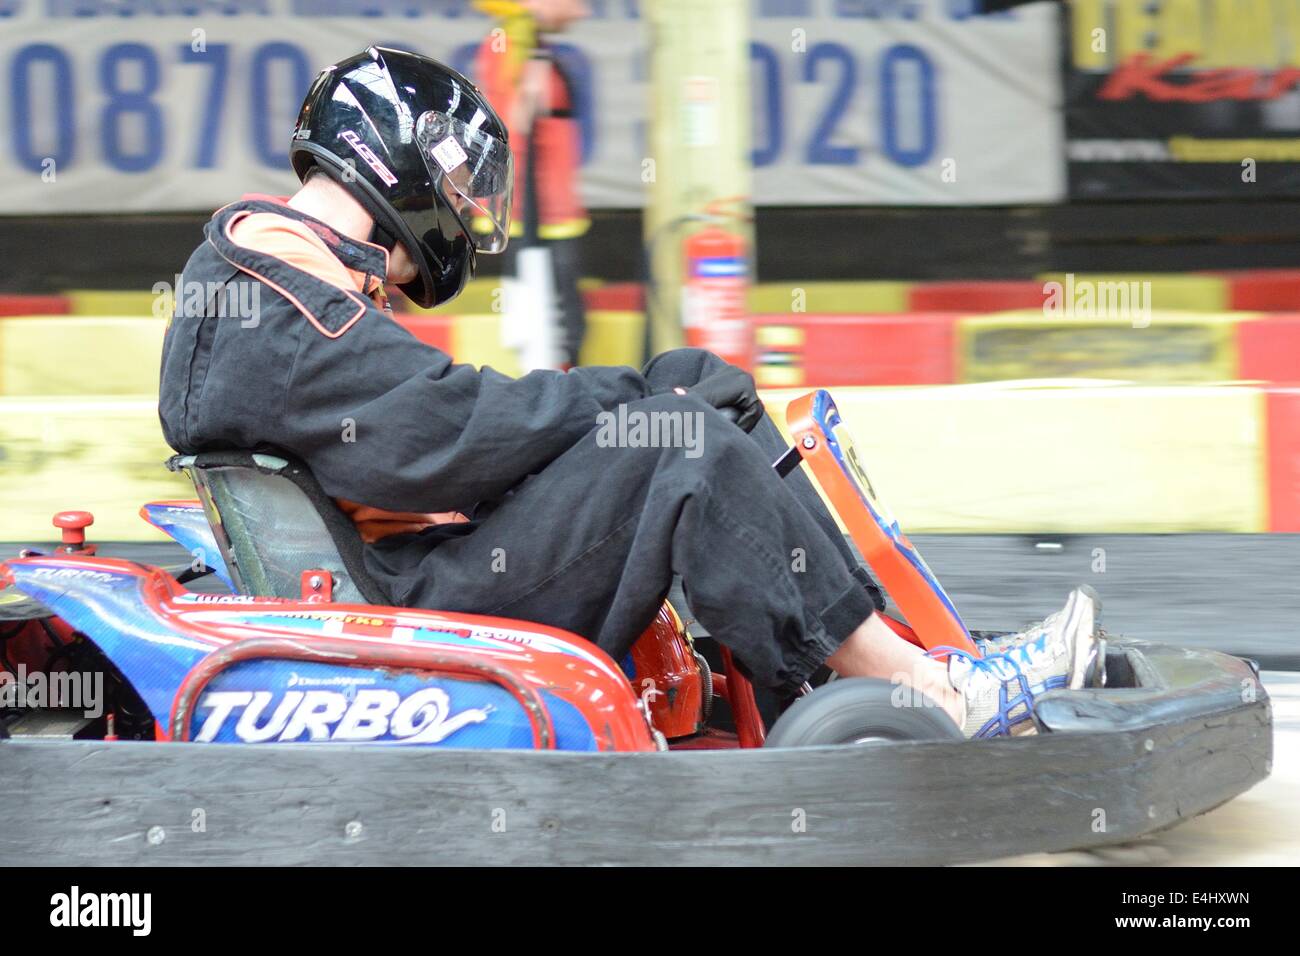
x: 678, y: 435
x: 681, y: 368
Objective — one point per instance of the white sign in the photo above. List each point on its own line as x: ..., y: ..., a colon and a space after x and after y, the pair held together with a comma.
x: 143, y: 105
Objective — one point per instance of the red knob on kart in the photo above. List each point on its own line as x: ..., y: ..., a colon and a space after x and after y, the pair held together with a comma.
x: 74, y: 525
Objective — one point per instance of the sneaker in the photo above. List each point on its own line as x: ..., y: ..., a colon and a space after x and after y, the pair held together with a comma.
x: 1001, y: 643
x: 999, y: 690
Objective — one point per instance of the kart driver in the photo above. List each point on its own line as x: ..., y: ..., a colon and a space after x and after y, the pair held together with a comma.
x: 476, y: 492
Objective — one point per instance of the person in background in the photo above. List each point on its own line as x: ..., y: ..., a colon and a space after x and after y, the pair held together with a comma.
x: 530, y: 88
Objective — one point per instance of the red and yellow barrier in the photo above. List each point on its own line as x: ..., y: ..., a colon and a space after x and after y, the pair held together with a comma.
x: 79, y: 355
x: 951, y: 348
x: 1164, y: 291
x: 132, y: 303
x: 977, y: 296
x: 1282, y: 427
x: 828, y: 350
x: 1264, y: 290
x: 958, y: 459
x: 99, y: 453
x: 1268, y: 348
x: 616, y: 297
x: 34, y: 305
x: 1078, y: 458
x: 1158, y: 347
x: 1169, y: 452
x: 853, y: 298
x: 434, y: 330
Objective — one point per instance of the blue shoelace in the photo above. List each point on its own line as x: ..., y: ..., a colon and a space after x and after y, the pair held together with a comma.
x: 995, y: 666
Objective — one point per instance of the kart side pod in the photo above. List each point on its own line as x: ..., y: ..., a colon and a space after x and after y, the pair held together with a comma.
x: 237, y: 669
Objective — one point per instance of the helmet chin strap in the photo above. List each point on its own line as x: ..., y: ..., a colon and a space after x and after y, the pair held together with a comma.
x: 382, y: 237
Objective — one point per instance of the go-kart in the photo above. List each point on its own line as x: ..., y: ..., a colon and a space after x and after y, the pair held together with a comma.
x: 299, y: 719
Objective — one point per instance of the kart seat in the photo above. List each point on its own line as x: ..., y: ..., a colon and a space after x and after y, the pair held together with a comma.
x: 272, y: 521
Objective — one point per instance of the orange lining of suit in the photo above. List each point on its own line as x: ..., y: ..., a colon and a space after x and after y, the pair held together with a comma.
x: 294, y: 243
x: 375, y: 523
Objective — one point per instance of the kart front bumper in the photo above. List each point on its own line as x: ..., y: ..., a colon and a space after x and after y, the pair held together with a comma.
x: 1193, y: 731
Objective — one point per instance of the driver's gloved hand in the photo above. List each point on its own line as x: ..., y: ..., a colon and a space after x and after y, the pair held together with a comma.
x: 731, y: 387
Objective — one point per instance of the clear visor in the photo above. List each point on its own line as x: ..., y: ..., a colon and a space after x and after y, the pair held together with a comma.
x: 473, y: 172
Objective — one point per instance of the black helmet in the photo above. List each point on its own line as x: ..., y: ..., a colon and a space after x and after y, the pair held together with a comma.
x: 421, y: 148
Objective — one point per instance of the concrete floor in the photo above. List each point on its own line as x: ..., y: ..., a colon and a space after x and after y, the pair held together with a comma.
x: 1259, y: 828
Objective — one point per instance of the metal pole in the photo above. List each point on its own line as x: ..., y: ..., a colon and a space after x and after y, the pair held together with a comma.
x: 699, y: 168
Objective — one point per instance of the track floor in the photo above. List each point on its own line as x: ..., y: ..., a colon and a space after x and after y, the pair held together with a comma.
x: 1259, y: 828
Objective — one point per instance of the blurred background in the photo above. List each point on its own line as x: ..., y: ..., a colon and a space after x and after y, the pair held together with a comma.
x: 1046, y: 255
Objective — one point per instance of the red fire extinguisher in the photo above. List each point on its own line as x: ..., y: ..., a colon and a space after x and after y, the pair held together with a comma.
x: 715, y: 312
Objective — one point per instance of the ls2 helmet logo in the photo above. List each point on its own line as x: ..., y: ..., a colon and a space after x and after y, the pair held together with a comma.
x: 372, y: 714
x: 368, y: 154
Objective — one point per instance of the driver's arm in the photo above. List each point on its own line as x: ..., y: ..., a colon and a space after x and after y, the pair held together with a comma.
x: 388, y: 421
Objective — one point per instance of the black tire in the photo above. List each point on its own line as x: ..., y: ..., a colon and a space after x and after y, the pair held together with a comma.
x: 861, y: 710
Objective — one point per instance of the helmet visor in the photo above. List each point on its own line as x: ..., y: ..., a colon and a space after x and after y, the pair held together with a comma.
x: 473, y: 171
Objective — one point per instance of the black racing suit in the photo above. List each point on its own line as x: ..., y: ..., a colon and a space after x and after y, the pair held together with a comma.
x: 564, y: 529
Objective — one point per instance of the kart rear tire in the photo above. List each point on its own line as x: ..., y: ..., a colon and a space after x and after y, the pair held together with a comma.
x: 857, y: 710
